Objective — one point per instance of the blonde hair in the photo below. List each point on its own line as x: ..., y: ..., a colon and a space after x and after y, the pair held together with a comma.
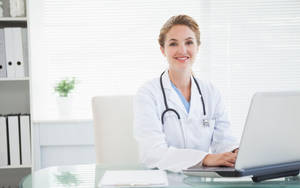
x: 179, y: 20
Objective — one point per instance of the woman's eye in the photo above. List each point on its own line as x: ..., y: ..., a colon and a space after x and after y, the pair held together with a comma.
x: 172, y: 44
x: 189, y: 42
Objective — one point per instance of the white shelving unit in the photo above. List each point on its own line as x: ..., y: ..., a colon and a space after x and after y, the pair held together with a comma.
x: 14, y: 79
x: 14, y: 99
x: 14, y: 167
x: 14, y: 92
x: 10, y: 19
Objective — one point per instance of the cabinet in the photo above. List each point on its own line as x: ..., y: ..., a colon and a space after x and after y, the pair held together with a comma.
x: 15, y: 99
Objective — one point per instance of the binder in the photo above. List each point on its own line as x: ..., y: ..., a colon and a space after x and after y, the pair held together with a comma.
x: 6, y: 8
x: 18, y: 53
x: 17, y: 8
x: 25, y: 51
x: 13, y: 139
x: 9, y: 50
x: 25, y: 140
x: 3, y: 142
x: 2, y: 55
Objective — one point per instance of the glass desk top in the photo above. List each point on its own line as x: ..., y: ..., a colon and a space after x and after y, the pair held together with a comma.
x: 79, y: 176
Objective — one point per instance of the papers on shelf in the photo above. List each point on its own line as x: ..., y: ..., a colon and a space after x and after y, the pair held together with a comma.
x: 134, y: 178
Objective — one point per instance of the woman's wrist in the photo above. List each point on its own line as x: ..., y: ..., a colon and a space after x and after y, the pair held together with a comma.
x: 204, y: 161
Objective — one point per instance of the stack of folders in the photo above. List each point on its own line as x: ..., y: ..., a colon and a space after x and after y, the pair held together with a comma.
x: 13, y: 52
x: 15, y: 147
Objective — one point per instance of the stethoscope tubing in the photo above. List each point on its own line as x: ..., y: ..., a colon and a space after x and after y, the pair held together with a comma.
x: 177, y: 114
x: 167, y: 109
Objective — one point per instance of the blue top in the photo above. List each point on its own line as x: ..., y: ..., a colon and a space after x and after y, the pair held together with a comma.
x: 182, y: 98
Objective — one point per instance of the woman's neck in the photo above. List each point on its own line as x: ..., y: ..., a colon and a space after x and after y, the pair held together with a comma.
x: 182, y: 80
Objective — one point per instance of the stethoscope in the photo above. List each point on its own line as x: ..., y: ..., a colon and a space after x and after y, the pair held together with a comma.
x: 205, y: 120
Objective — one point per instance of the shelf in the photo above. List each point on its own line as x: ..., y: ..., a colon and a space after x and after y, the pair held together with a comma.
x: 54, y: 121
x: 19, y: 166
x: 13, y: 19
x: 14, y: 79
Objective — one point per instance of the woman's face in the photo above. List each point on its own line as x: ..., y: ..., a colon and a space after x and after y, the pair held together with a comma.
x: 180, y: 48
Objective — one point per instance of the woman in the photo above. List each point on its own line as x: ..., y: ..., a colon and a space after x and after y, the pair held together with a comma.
x: 178, y: 118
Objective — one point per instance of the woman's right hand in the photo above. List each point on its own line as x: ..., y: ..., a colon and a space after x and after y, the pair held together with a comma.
x: 220, y: 159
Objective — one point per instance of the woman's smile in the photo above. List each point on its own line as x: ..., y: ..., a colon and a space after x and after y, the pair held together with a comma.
x: 182, y: 59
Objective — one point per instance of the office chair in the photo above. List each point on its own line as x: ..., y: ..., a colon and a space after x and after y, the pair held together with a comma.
x: 113, y: 128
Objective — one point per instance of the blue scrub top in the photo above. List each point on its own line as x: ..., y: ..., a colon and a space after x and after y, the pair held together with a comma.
x: 182, y: 98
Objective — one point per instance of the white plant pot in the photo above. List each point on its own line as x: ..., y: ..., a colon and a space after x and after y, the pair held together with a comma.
x: 64, y: 105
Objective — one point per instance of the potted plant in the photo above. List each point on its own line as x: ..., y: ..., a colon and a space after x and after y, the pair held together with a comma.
x: 64, y: 99
x: 65, y: 86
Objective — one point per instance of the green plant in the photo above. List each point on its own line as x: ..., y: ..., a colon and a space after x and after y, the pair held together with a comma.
x: 65, y: 86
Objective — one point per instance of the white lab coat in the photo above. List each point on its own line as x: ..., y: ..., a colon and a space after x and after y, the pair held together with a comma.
x: 162, y: 146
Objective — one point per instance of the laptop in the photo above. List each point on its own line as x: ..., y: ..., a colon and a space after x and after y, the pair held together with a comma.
x: 270, y: 143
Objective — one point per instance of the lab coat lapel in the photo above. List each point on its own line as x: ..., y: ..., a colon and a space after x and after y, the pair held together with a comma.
x: 172, y: 97
x: 195, y: 102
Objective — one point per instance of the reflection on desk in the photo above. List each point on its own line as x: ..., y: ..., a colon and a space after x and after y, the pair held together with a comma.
x: 90, y: 175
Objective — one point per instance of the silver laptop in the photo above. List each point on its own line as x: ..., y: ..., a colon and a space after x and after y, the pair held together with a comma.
x: 270, y: 142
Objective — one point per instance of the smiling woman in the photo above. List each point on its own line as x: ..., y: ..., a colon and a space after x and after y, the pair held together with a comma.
x: 179, y: 118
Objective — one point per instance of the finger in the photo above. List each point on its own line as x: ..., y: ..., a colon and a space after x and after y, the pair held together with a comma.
x: 227, y: 163
x: 230, y: 155
x: 232, y: 160
x: 235, y: 150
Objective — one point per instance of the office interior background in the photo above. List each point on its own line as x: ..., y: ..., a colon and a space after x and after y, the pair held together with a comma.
x: 111, y: 48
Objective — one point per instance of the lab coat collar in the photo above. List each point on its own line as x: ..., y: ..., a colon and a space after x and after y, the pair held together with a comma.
x: 172, y: 96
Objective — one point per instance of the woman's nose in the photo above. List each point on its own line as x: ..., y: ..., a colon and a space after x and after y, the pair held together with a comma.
x: 182, y: 49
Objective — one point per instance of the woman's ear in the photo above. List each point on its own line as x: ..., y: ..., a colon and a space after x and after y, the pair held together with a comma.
x: 162, y: 49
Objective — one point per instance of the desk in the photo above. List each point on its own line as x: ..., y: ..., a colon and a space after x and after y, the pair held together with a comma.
x: 89, y: 176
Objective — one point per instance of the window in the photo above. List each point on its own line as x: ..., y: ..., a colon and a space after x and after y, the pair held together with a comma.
x: 111, y: 48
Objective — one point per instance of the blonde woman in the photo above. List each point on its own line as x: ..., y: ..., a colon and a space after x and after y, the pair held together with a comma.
x: 178, y: 118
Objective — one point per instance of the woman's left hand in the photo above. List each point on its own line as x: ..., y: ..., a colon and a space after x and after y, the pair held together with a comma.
x: 236, y: 150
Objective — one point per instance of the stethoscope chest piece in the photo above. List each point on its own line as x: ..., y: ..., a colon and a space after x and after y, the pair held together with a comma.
x: 205, y: 123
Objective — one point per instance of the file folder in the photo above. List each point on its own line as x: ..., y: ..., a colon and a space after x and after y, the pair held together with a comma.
x: 2, y: 55
x: 25, y: 140
x: 6, y: 8
x: 17, y: 8
x: 13, y: 139
x: 18, y: 53
x: 134, y: 178
x: 9, y: 50
x: 3, y: 142
x: 25, y: 51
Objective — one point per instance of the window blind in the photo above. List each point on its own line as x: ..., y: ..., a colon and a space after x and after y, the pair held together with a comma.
x: 111, y: 48
x: 254, y: 46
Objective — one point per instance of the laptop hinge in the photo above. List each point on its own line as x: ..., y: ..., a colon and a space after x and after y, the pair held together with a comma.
x: 275, y: 175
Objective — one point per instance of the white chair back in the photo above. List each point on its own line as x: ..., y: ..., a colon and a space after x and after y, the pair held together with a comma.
x: 113, y: 128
